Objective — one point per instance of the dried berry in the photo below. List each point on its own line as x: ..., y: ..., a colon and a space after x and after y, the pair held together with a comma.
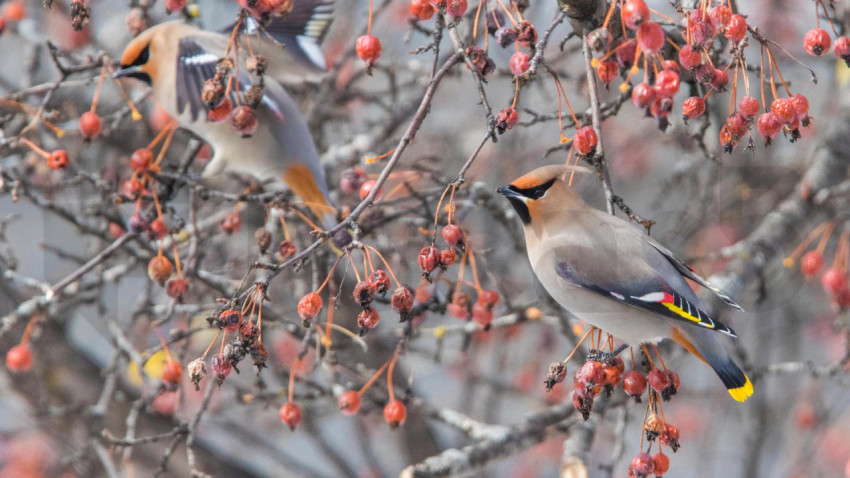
x: 447, y: 258
x: 363, y: 293
x: 159, y: 269
x: 379, y: 282
x: 736, y: 29
x: 177, y: 288
x: 428, y: 259
x: 263, y: 238
x: 367, y: 320
x: 452, y: 234
x: 841, y: 48
x: 519, y: 63
x: 607, y: 70
x: 402, y: 301
x: 368, y: 49
x: 285, y: 250
x: 244, y: 121
x: 505, y: 36
x: 557, y: 374
x: 641, y: 466
x: 585, y: 140
x: 309, y: 307
x: 634, y: 383
x: 197, y: 370
x: 506, y: 119
x: 526, y: 34
x: 768, y: 127
x: 748, y: 106
x: 658, y: 380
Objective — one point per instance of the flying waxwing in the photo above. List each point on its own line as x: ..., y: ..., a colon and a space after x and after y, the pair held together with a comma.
x: 615, y: 277
x: 175, y: 59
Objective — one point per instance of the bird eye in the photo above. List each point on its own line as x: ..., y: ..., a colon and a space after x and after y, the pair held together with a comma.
x: 143, y: 57
x: 535, y: 192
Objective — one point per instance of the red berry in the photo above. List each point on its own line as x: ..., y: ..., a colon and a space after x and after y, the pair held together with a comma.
x: 459, y: 307
x: 349, y: 401
x: 674, y: 379
x: 811, y: 263
x: 643, y: 95
x: 141, y: 160
x: 658, y: 380
x: 526, y: 34
x: 650, y: 37
x: 429, y: 259
x: 367, y: 188
x: 90, y: 125
x: 402, y: 301
x: 817, y: 41
x: 14, y: 11
x: 841, y: 48
x: 395, y: 413
x: 368, y: 49
x: 693, y: 107
x: 132, y: 188
x: 720, y: 16
x: 607, y: 70
x: 379, y: 281
x: 689, y: 57
x: 661, y: 107
x: 244, y: 121
x: 661, y: 462
x: 309, y: 306
x: 625, y: 53
x: 748, y: 106
x: 158, y: 228
x: 800, y: 103
x: 737, y: 125
x: 231, y: 223
x: 172, y: 6
x: 670, y: 437
x: 19, y: 358
x: 634, y: 383
x: 177, y: 288
x: 592, y: 373
x: 720, y: 80
x: 456, y: 8
x: 447, y: 258
x: 352, y: 179
x: 172, y: 372
x: 634, y: 13
x: 519, y: 63
x: 290, y: 414
x: 834, y: 280
x: 488, y: 297
x: 642, y: 465
x: 421, y: 9
x: 482, y: 314
x: 452, y: 234
x: 783, y: 109
x: 115, y: 230
x: 667, y: 84
x: 736, y: 29
x: 363, y: 293
x: 58, y: 159
x: 768, y: 127
x: 221, y: 112
x: 367, y: 320
x: 585, y: 140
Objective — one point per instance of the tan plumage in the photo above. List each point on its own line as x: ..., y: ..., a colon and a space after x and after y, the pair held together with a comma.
x: 614, y: 276
x: 175, y: 59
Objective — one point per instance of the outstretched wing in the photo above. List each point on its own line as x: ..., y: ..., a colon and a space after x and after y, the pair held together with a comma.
x: 195, y: 65
x: 301, y: 30
x: 690, y: 274
x: 653, y: 295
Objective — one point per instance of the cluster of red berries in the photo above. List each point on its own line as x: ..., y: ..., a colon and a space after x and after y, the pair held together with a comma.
x: 817, y: 42
x: 834, y: 279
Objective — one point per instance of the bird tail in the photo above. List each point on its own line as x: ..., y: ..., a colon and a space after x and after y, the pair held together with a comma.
x: 706, y: 347
x: 302, y: 182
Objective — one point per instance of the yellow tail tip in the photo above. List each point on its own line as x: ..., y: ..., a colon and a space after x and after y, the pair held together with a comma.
x: 742, y: 393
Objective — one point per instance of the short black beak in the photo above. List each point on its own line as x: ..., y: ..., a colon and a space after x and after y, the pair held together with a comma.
x: 126, y: 72
x: 507, y: 192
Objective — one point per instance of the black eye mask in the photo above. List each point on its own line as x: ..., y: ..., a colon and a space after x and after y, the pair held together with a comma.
x: 536, y: 192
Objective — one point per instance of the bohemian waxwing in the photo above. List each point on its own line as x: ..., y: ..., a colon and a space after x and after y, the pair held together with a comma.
x: 175, y: 59
x: 614, y: 276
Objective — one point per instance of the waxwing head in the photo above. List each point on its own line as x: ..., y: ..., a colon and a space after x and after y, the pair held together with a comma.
x: 145, y: 53
x: 541, y: 192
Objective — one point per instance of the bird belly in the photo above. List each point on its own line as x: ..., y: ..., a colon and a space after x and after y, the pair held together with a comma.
x: 630, y: 324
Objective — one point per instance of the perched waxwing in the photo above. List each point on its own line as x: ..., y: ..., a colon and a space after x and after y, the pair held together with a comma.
x: 614, y: 276
x: 176, y: 59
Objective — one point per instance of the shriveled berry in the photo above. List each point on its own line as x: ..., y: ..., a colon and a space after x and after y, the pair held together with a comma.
x: 719, y: 80
x: 231, y: 223
x: 670, y: 437
x: 693, y: 107
x: 841, y: 48
x: 702, y: 33
x: 811, y: 263
x: 349, y: 401
x: 737, y: 125
x: 428, y: 259
x: 197, y: 371
x: 800, y: 103
x: 221, y: 112
x: 290, y: 414
x: 650, y: 37
x: 599, y: 40
x: 379, y: 282
x: 367, y: 320
x: 459, y: 306
x: 452, y: 234
x: 402, y: 301
x: 447, y: 258
x: 132, y: 188
x: 720, y: 16
x: 368, y: 49
x: 19, y: 359
x: 221, y: 367
x: 736, y: 29
x: 557, y: 374
x: 505, y: 36
x: 244, y: 121
x: 591, y: 373
x: 625, y: 54
x: 363, y: 293
x: 177, y: 288
x: 309, y: 306
x: 817, y: 41
x: 90, y: 125
x: 506, y: 119
x: 482, y: 314
x: 285, y: 249
x: 658, y: 380
x: 634, y: 13
x: 585, y: 140
x: 748, y: 106
x: 526, y: 34
x: 395, y: 413
x: 353, y: 178
x: 642, y: 465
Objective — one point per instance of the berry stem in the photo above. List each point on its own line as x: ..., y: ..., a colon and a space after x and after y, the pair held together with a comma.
x: 474, y: 268
x: 608, y: 15
x: 581, y: 341
x: 648, y: 356
x: 260, y: 294
x: 25, y: 338
x: 291, y: 391
x: 390, y: 377
x: 177, y: 260
x: 351, y: 261
x: 781, y: 79
x: 798, y: 251
x: 283, y: 225
x: 319, y: 290
x: 164, y: 345
x: 477, y: 17
x: 369, y: 28
x: 306, y: 219
x: 761, y: 78
x: 460, y: 270
x: 162, y: 132
x: 211, y: 344
x: 507, y: 12
x: 165, y: 146
x: 35, y: 148
x: 660, y: 358
x: 326, y: 340
x: 374, y: 377
x: 97, y: 90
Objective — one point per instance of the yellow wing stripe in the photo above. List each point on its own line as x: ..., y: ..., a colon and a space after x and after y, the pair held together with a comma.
x: 679, y: 311
x: 742, y: 393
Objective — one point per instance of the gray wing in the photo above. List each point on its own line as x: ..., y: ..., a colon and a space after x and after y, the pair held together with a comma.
x: 195, y: 65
